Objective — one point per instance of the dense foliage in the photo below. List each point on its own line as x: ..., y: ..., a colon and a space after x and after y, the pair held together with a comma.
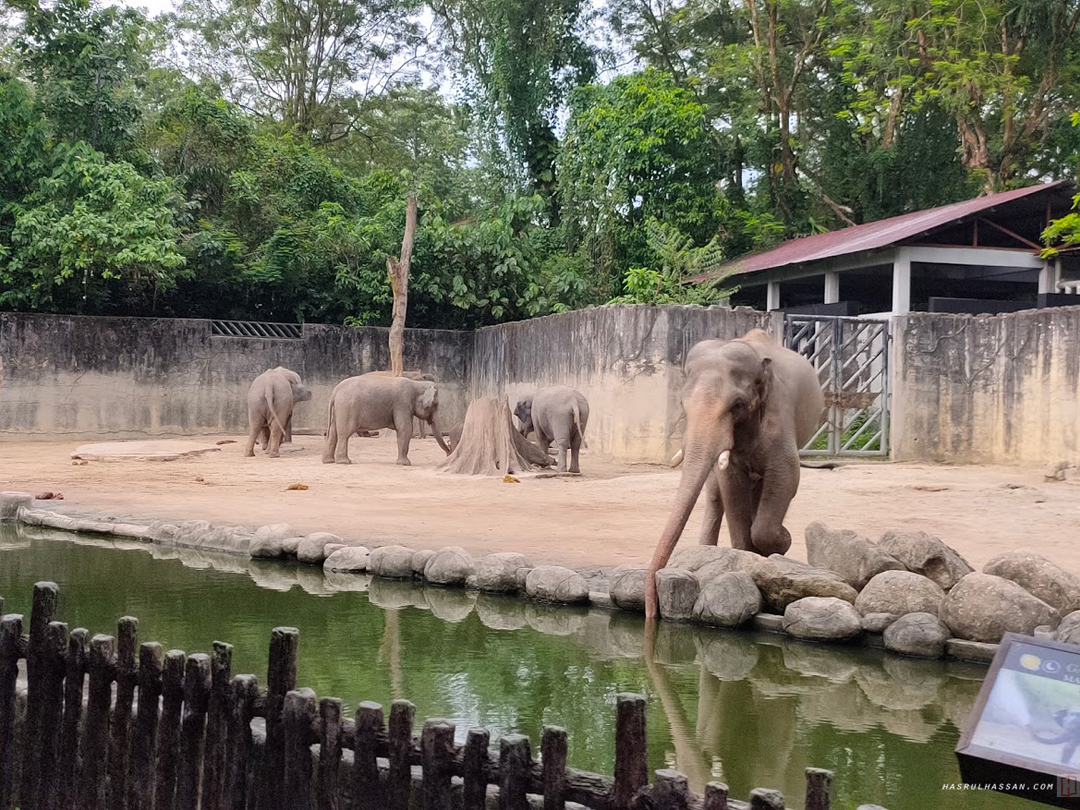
x: 251, y: 158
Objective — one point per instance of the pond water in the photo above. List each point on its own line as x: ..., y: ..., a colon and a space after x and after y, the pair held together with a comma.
x: 750, y: 710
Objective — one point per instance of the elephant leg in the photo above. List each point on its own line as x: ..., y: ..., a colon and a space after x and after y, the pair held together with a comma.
x: 575, y: 449
x: 341, y: 446
x: 737, y: 494
x: 253, y: 436
x: 404, y: 436
x: 778, y: 486
x: 288, y: 430
x: 330, y: 445
x: 264, y: 437
x: 276, y: 435
x: 714, y: 512
x: 542, y: 441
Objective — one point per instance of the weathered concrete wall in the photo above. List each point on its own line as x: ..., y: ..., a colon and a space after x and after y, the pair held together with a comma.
x: 987, y: 388
x: 134, y: 377
x: 626, y: 360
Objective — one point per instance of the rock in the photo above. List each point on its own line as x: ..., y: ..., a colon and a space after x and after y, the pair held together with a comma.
x: 267, y: 547
x: 1044, y: 632
x: 419, y: 560
x: 347, y: 560
x: 1054, y: 471
x: 1069, y: 629
x: 973, y: 651
x: 924, y: 554
x: 330, y: 548
x: 553, y: 583
x: 822, y: 618
x: 982, y: 607
x: 290, y: 545
x: 922, y: 635
x: 1039, y: 577
x: 281, y: 531
x: 449, y: 566
x: 729, y: 600
x: 627, y: 588
x: 677, y: 591
x: 877, y: 622
x: 850, y: 555
x: 497, y: 573
x: 900, y: 592
x: 12, y: 502
x: 312, y: 549
x: 783, y: 581
x: 391, y: 562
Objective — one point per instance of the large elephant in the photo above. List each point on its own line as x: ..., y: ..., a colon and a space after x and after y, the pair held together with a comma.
x: 750, y: 405
x: 373, y: 402
x: 270, y: 401
x: 559, y: 415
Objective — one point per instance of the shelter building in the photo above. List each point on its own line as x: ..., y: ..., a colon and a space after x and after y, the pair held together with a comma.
x: 976, y: 256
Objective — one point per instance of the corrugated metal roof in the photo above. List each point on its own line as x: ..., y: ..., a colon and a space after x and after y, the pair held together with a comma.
x: 874, y: 235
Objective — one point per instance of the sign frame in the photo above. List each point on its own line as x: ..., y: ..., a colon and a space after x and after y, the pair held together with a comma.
x: 1038, y: 780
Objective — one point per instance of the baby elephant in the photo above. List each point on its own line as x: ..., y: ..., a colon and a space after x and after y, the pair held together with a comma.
x: 373, y: 402
x: 559, y: 415
x: 270, y: 408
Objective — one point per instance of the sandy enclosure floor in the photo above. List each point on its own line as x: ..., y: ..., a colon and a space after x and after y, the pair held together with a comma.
x: 611, y: 515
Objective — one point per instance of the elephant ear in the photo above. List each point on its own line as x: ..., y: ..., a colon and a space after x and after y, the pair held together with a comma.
x: 763, y: 385
x: 429, y: 397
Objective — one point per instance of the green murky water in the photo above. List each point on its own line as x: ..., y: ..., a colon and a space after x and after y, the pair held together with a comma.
x: 753, y: 711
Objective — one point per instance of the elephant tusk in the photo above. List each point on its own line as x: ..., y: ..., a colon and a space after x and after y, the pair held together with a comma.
x: 722, y: 461
x: 676, y: 459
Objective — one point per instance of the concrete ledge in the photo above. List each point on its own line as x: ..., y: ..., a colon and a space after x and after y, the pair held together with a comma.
x: 976, y: 652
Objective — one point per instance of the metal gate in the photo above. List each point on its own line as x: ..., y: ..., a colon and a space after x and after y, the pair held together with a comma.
x: 851, y: 356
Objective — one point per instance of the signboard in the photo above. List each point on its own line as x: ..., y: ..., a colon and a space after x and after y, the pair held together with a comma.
x: 1023, y: 735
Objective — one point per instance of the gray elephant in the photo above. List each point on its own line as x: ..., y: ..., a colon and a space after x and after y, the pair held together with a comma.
x: 559, y: 415
x: 270, y: 401
x: 750, y: 405
x: 375, y: 401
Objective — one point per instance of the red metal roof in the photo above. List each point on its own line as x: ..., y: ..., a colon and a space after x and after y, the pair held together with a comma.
x: 874, y: 235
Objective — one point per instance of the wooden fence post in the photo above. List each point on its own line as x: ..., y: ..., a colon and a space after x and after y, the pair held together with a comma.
x: 193, y: 731
x: 297, y: 716
x: 329, y: 753
x: 716, y: 796
x: 818, y: 789
x: 670, y: 791
x: 245, y: 688
x: 95, y: 743
x: 399, y: 788
x: 53, y: 665
x: 10, y: 633
x: 217, y: 726
x: 764, y: 799
x: 553, y: 764
x: 476, y: 768
x: 75, y: 666
x: 436, y: 751
x: 367, y: 792
x: 514, y: 760
x: 144, y: 732
x: 42, y: 611
x: 631, y: 760
x: 168, y: 747
x: 127, y: 633
x: 281, y: 679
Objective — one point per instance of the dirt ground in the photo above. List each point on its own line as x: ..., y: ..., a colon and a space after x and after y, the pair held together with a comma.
x: 611, y: 515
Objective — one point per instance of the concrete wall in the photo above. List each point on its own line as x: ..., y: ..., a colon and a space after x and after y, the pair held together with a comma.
x: 987, y: 388
x: 137, y: 377
x: 626, y: 360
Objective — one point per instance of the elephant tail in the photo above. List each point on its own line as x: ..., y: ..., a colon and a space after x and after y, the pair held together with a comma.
x: 580, y: 427
x: 273, y: 412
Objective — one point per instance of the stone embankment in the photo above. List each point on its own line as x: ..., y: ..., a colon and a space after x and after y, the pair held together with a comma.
x: 909, y: 593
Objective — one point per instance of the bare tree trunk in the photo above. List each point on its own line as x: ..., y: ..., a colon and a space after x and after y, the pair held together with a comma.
x: 398, y: 269
x: 489, y: 444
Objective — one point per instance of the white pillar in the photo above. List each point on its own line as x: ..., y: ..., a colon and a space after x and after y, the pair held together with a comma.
x: 832, y: 288
x: 773, y: 296
x: 901, y: 284
x: 1048, y: 278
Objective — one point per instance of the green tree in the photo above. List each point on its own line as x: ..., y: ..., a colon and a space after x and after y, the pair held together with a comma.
x: 523, y: 58
x: 94, y: 236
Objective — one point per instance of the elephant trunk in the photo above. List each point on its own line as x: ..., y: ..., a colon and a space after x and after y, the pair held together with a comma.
x: 704, y: 447
x: 436, y: 428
